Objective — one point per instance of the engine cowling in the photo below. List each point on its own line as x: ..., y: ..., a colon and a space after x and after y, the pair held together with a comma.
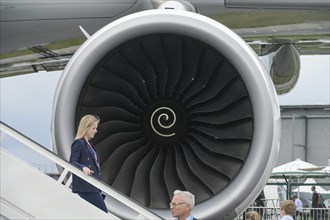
x: 184, y: 104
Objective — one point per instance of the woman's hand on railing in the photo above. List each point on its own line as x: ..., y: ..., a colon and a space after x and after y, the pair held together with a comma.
x: 87, y: 171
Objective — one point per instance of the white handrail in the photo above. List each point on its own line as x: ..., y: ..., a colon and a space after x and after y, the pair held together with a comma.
x: 70, y: 168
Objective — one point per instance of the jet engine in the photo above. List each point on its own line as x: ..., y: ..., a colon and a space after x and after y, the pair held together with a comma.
x: 184, y: 104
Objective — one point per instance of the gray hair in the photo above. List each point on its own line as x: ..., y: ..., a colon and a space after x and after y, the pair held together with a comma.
x: 188, y: 197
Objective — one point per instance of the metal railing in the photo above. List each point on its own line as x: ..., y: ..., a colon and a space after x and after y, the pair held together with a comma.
x: 69, y: 168
x: 274, y: 213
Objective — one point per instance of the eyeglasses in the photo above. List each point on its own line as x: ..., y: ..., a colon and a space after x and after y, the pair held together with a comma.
x: 173, y: 204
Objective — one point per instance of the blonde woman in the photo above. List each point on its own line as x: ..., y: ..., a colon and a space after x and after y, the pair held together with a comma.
x: 252, y: 215
x: 84, y: 156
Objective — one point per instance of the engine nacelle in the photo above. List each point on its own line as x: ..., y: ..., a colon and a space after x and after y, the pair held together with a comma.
x: 184, y: 104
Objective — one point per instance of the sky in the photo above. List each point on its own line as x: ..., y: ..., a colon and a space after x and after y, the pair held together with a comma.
x: 26, y: 105
x: 313, y: 86
x: 27, y: 102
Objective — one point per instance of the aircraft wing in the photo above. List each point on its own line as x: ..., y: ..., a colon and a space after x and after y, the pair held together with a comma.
x: 43, y: 35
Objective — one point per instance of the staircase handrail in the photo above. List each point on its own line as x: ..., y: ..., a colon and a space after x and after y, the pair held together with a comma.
x: 74, y: 170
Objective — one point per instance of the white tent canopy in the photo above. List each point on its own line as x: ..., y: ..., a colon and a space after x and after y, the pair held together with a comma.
x: 293, y: 175
x: 293, y: 166
x: 307, y: 188
x: 298, y: 168
x: 326, y: 169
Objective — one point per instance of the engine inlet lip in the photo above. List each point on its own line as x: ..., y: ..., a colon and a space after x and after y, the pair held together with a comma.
x: 266, y: 123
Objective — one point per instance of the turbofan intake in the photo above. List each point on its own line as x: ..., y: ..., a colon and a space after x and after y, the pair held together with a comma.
x: 184, y: 104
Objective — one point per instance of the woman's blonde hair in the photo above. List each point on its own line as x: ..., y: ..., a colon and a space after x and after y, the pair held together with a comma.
x: 85, y: 123
x: 252, y: 215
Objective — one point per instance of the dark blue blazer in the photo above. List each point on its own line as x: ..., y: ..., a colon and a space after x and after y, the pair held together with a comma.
x: 314, y: 199
x: 83, y: 156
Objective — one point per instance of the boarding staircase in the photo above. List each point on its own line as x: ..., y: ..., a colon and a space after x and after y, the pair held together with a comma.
x: 28, y: 193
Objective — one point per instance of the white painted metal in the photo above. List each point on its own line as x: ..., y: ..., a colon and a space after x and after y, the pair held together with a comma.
x: 33, y: 194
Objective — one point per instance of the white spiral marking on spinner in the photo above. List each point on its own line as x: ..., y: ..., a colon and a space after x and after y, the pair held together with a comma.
x: 159, y: 122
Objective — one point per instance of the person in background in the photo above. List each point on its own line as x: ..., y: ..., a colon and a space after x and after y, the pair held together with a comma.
x: 84, y: 156
x: 182, y: 205
x: 252, y: 215
x: 287, y: 210
x: 299, y: 206
x: 314, y: 212
x: 259, y: 204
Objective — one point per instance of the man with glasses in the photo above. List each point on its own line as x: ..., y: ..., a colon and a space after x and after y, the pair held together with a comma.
x: 182, y: 204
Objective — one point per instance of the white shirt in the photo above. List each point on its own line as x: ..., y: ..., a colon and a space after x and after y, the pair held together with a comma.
x: 298, y: 204
x: 286, y: 217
